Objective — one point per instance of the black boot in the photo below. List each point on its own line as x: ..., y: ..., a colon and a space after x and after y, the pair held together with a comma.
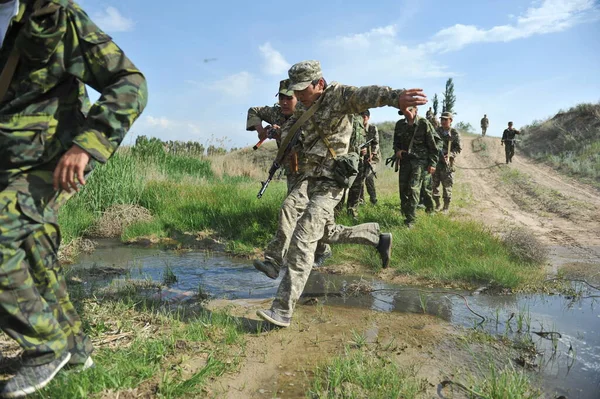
x: 385, y: 249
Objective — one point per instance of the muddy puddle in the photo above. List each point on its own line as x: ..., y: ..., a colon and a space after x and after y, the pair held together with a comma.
x: 565, y: 330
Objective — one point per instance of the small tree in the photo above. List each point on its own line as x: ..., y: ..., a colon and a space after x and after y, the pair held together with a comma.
x: 436, y: 103
x: 449, y: 97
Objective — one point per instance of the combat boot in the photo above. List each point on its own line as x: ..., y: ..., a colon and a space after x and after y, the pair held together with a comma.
x: 446, y: 204
x: 437, y: 203
x: 385, y: 249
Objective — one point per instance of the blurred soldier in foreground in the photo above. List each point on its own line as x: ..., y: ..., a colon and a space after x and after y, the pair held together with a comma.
x: 49, y: 136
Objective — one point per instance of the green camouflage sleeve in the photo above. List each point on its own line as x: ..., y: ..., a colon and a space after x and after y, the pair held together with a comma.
x: 98, y: 62
x: 359, y: 99
x: 256, y: 115
x: 433, y: 140
x: 397, y: 136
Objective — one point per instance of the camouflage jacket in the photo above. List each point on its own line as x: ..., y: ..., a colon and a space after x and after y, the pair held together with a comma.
x: 485, y: 122
x: 46, y: 108
x: 425, y: 144
x: 334, y: 120
x: 359, y: 134
x: 373, y: 133
x: 509, y: 135
x: 271, y: 115
x: 453, y: 138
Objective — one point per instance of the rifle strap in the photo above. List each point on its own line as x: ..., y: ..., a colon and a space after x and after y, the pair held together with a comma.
x: 292, y: 132
x: 412, y: 140
x: 13, y: 60
x: 327, y: 142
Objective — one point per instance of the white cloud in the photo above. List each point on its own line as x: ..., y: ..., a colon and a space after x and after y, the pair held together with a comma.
x: 274, y: 62
x: 551, y: 16
x: 111, y: 20
x: 158, y: 122
x: 238, y: 85
x: 164, y: 124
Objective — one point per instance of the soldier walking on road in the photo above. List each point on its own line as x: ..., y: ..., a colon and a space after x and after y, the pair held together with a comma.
x: 508, y: 140
x: 485, y: 122
x: 450, y: 149
x: 49, y: 139
x: 325, y: 169
x: 415, y: 145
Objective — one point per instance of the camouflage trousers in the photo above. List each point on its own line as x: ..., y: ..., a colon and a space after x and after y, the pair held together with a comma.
x: 412, y: 178
x: 355, y: 191
x: 370, y: 184
x: 509, y: 150
x: 35, y: 309
x: 291, y: 209
x: 446, y: 178
x: 483, y: 130
x: 316, y: 223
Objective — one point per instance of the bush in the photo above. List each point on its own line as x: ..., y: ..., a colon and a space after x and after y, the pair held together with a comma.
x: 524, y: 246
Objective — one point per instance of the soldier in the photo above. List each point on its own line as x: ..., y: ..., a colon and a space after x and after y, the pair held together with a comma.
x: 371, y: 156
x: 324, y: 144
x: 276, y: 116
x: 508, y: 140
x: 359, y: 137
x: 49, y: 138
x: 450, y: 149
x: 415, y: 145
x: 485, y: 122
x: 429, y: 113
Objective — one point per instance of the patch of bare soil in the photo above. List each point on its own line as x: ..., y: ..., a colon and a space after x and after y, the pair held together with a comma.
x: 557, y: 209
x: 281, y: 362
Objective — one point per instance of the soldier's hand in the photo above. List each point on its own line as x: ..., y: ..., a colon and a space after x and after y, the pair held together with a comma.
x: 363, y: 151
x: 411, y: 98
x: 71, y: 165
x: 262, y: 132
x: 399, y: 154
x: 431, y: 170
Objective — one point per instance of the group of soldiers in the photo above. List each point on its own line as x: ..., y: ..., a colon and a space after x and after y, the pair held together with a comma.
x: 331, y: 122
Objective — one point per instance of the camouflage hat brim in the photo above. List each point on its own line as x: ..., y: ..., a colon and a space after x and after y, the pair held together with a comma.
x: 286, y: 92
x: 300, y: 86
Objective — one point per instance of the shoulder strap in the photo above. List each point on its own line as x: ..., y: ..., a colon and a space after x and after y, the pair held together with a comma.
x: 292, y: 132
x: 12, y: 62
x: 327, y: 143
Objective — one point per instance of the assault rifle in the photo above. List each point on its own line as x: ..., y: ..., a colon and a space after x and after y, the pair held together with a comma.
x: 366, y: 158
x: 272, y: 133
x: 276, y: 165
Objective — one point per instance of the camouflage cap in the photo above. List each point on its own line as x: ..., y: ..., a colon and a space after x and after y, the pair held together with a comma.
x: 366, y: 113
x: 446, y: 115
x: 284, y: 88
x: 303, y: 73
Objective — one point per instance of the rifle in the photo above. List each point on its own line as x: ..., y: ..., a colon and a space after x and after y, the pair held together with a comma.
x: 365, y: 159
x: 271, y: 134
x: 276, y: 165
x: 394, y: 162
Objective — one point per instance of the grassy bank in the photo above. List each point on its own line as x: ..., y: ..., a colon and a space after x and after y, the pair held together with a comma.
x: 569, y: 141
x: 188, y: 193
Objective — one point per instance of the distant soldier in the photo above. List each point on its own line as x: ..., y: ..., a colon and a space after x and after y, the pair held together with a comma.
x: 429, y: 113
x: 371, y: 156
x: 276, y: 116
x: 485, y: 122
x: 357, y: 139
x: 450, y: 149
x: 415, y: 145
x: 508, y: 140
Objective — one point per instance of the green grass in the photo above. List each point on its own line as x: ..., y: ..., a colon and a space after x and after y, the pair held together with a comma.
x: 362, y: 374
x: 504, y: 383
x: 158, y: 343
x: 439, y: 248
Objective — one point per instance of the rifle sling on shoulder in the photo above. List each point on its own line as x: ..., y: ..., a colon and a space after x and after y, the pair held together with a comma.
x: 13, y: 60
x: 292, y: 132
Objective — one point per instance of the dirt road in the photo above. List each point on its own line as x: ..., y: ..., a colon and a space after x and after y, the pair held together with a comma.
x: 561, y: 212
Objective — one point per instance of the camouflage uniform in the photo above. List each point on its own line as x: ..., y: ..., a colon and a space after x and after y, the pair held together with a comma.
x: 413, y: 173
x: 508, y: 139
x: 484, y: 125
x: 358, y: 138
x: 316, y: 164
x: 373, y: 154
x: 444, y: 173
x: 45, y: 112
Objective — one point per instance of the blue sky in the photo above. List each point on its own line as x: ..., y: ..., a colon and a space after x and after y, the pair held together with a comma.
x: 206, y: 62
